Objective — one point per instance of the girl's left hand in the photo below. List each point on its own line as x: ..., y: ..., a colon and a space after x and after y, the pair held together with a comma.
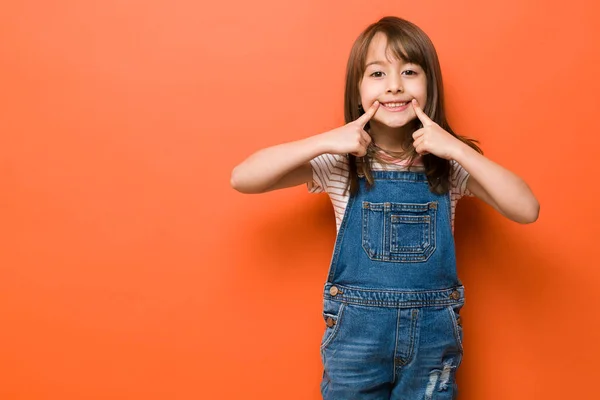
x: 431, y: 138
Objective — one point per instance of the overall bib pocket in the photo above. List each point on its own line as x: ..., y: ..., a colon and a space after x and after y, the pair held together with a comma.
x: 399, y: 232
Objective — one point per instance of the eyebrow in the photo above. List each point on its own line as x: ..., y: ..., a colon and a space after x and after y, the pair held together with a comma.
x: 376, y: 62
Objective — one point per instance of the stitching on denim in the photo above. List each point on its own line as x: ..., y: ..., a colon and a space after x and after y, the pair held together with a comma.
x: 396, y: 347
x: 336, y: 328
x: 399, y: 254
x: 455, y: 326
x: 385, y: 252
x: 365, y: 233
x: 424, y: 220
x: 413, y: 331
x: 339, y: 239
x: 442, y: 292
x: 404, y: 304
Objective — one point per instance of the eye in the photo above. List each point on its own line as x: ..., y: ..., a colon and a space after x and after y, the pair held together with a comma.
x: 377, y: 74
x: 409, y: 72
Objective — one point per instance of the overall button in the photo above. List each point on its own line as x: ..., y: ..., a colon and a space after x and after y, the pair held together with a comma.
x: 333, y: 291
x: 330, y: 322
x: 455, y: 295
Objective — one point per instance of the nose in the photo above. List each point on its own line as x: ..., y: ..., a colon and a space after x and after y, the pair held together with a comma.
x: 395, y: 84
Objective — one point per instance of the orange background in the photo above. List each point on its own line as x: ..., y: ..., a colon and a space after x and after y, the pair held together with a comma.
x: 129, y: 269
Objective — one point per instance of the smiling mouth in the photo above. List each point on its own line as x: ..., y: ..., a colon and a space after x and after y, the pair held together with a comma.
x: 396, y: 105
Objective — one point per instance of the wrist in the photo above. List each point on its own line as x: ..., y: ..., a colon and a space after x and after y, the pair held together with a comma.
x: 318, y: 144
x: 460, y: 152
x: 322, y: 143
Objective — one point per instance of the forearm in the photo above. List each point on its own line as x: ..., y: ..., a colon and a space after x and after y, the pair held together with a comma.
x: 506, y: 191
x: 267, y: 166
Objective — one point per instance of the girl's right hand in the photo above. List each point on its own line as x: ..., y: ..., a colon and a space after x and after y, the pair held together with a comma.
x: 352, y: 137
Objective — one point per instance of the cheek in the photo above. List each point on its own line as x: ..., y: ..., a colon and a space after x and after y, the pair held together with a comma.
x: 422, y: 93
x: 368, y: 94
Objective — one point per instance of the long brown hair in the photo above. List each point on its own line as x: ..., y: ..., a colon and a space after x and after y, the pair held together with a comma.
x: 409, y: 43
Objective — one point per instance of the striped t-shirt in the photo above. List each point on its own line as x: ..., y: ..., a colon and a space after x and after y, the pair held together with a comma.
x: 331, y: 173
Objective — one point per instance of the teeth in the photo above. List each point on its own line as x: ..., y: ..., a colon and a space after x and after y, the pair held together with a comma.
x: 393, y: 105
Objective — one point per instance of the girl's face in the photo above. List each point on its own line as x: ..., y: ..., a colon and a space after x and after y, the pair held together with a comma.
x: 393, y: 83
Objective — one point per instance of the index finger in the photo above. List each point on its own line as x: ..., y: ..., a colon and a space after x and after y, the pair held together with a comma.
x: 420, y: 114
x: 363, y: 119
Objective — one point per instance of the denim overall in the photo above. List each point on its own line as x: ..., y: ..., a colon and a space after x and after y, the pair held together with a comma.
x: 392, y: 298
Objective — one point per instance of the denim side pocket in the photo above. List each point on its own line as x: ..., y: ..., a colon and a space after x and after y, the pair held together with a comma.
x: 454, y: 313
x: 332, y: 315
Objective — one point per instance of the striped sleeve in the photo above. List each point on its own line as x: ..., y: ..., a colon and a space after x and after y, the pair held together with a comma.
x: 329, y: 173
x: 459, y: 178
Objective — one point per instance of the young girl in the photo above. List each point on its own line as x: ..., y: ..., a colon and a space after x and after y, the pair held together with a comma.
x: 394, y: 174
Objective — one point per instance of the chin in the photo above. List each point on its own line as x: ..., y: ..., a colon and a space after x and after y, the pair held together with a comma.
x: 395, y: 123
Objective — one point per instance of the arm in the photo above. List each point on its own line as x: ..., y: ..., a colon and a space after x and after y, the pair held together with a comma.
x: 288, y: 164
x: 500, y: 188
x: 277, y: 167
x: 492, y: 183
